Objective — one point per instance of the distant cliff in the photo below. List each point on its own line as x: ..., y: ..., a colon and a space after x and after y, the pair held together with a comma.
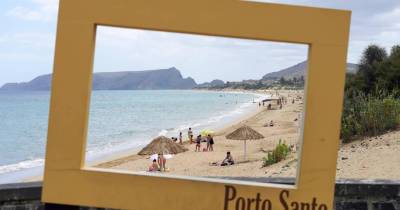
x: 127, y: 80
x: 299, y: 70
x: 214, y: 83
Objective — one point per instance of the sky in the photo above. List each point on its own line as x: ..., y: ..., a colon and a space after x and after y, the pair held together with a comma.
x: 27, y: 41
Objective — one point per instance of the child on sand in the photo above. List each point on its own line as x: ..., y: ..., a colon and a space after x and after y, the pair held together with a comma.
x: 180, y: 137
x: 154, y: 166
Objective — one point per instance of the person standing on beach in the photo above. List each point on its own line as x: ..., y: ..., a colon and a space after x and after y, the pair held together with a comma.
x: 208, y: 142
x: 161, y: 161
x: 198, y: 143
x: 180, y: 137
x: 190, y: 135
x: 211, y: 148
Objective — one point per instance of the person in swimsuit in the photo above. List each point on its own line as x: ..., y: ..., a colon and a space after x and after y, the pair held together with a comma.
x: 198, y: 143
x: 208, y: 142
x: 211, y: 143
x: 161, y: 161
x: 228, y: 160
x: 180, y: 137
x: 154, y: 166
x: 190, y: 135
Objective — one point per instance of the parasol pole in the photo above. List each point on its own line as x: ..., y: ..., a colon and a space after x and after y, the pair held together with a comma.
x: 244, y: 149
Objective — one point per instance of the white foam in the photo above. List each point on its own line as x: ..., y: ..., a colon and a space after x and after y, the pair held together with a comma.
x: 100, y: 151
x: 227, y: 116
x: 111, y: 148
x: 21, y: 165
x: 163, y: 132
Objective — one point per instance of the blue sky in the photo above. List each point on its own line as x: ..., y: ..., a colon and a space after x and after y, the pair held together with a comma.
x: 28, y: 35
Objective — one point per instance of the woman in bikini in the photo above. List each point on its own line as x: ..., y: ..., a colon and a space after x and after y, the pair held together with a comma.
x: 161, y: 161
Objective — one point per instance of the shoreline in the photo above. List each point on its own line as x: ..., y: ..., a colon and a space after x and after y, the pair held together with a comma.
x: 198, y: 163
x: 133, y: 151
x: 131, y: 156
x: 118, y: 154
x: 361, y: 159
x: 126, y: 154
x: 370, y: 157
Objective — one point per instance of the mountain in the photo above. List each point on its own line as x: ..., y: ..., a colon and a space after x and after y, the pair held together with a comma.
x: 298, y: 70
x: 42, y: 82
x: 126, y: 80
x: 214, y: 83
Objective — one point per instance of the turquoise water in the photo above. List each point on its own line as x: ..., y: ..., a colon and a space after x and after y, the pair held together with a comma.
x: 119, y: 120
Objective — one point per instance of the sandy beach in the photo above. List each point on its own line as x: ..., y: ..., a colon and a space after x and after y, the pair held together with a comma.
x: 193, y: 163
x: 370, y: 158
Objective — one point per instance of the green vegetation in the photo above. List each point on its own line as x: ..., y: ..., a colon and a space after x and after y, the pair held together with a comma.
x: 369, y: 115
x: 280, y: 153
x: 297, y: 83
x: 289, y: 84
x: 372, y: 96
x: 247, y: 85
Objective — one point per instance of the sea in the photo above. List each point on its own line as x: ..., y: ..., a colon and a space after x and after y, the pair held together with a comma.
x: 119, y: 121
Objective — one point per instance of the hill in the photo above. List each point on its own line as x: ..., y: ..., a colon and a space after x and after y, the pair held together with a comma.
x: 126, y: 80
x: 298, y: 70
x: 214, y: 83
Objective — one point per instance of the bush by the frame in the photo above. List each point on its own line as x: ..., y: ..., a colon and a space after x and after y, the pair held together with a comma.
x: 372, y: 95
x: 280, y: 153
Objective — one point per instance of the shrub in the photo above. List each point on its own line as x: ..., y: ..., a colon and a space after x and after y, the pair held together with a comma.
x: 372, y: 94
x: 280, y: 153
x: 369, y: 115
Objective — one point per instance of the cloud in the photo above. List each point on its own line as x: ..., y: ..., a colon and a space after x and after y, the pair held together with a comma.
x: 24, y: 13
x: 202, y: 57
x: 30, y: 39
x: 17, y: 57
x: 40, y: 10
x: 372, y: 22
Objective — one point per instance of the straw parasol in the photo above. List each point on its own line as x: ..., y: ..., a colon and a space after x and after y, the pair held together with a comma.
x: 163, y: 145
x: 244, y: 133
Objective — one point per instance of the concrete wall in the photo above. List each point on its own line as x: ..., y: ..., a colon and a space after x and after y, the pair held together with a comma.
x: 349, y: 195
x: 367, y: 194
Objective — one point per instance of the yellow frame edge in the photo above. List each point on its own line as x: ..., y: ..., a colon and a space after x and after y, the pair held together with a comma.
x: 67, y: 181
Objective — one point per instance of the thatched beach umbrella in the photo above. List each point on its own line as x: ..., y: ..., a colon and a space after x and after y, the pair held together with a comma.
x: 163, y: 145
x: 244, y: 133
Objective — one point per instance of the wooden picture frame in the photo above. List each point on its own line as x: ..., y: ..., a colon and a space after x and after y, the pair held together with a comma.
x: 68, y: 181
